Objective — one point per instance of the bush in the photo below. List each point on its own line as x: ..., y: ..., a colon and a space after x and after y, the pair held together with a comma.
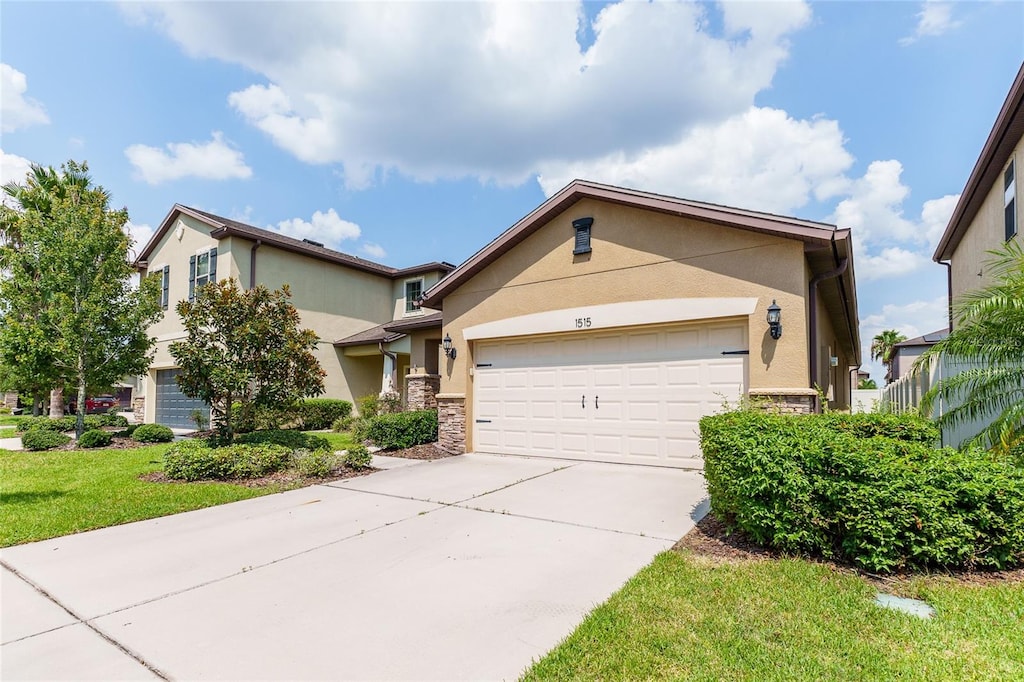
x: 110, y: 419
x: 95, y: 438
x: 153, y: 433
x: 358, y: 457
x: 42, y: 439
x: 908, y: 427
x: 320, y: 413
x: 369, y: 406
x: 809, y: 484
x: 402, y: 429
x: 194, y: 460
x: 314, y: 463
x: 67, y: 422
x: 126, y: 432
x: 295, y: 440
x: 343, y: 424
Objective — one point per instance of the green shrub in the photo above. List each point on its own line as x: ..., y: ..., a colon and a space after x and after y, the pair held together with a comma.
x: 42, y: 439
x: 320, y: 413
x: 294, y: 440
x: 110, y: 419
x: 369, y: 406
x: 126, y: 432
x: 67, y: 422
x: 358, y: 457
x: 908, y: 427
x: 343, y: 424
x: 153, y: 433
x: 809, y: 484
x: 314, y: 463
x: 402, y: 429
x: 194, y: 460
x: 95, y: 438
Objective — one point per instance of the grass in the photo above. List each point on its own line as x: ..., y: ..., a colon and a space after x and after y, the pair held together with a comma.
x: 48, y: 494
x: 8, y: 432
x: 339, y: 441
x: 684, y: 617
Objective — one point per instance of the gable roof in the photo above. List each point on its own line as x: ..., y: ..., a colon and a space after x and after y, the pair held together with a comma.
x: 1005, y: 134
x: 925, y: 339
x: 225, y: 227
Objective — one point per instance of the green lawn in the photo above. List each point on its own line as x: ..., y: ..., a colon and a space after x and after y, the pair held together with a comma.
x: 8, y: 432
x: 48, y: 494
x: 684, y: 617
x: 339, y: 441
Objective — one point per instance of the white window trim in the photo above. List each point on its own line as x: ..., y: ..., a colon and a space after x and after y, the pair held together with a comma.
x: 405, y: 293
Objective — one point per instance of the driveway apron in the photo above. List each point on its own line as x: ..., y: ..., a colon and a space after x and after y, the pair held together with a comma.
x: 469, y: 567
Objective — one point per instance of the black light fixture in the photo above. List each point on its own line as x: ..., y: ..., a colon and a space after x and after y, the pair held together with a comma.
x: 775, y: 320
x: 447, y: 346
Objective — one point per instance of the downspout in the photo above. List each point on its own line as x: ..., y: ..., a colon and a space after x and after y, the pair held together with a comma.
x: 812, y: 300
x: 394, y: 361
x: 252, y: 263
x: 949, y: 291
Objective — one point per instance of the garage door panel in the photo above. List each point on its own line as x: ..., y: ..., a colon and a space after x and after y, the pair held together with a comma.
x: 174, y: 408
x: 624, y: 396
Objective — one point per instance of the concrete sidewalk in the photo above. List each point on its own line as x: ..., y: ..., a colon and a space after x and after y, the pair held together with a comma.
x: 462, y: 568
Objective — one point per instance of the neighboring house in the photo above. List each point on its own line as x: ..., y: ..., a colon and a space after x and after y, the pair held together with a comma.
x: 986, y: 217
x: 905, y: 353
x: 605, y: 323
x: 346, y: 300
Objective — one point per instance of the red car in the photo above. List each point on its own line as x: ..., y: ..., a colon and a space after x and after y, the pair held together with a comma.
x: 97, y: 403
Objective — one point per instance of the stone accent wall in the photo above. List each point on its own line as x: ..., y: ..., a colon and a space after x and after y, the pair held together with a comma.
x: 10, y: 400
x: 421, y: 391
x: 785, y: 401
x: 451, y: 422
x: 139, y: 408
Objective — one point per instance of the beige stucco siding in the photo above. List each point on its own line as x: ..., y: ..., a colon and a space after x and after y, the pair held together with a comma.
x: 986, y: 232
x: 429, y: 279
x: 640, y: 255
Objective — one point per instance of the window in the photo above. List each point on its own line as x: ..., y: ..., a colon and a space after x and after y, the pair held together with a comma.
x: 1010, y: 201
x: 202, y: 269
x: 413, y: 293
x: 582, y: 243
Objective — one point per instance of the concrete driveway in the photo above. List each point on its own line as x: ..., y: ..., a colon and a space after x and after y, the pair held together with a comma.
x: 462, y: 568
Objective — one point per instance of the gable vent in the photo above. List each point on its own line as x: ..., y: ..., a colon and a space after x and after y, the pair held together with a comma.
x: 582, y: 243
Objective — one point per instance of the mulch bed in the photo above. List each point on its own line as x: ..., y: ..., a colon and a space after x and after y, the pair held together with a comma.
x: 711, y: 540
x: 428, y: 451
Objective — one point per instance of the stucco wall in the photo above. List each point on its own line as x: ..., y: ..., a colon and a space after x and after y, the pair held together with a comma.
x: 640, y: 255
x: 986, y: 232
x: 429, y: 279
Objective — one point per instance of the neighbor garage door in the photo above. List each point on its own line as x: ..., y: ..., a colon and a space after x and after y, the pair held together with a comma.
x: 632, y: 396
x: 174, y: 408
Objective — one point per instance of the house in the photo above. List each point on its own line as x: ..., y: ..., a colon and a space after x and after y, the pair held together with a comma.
x: 605, y: 323
x: 372, y: 332
x: 906, y: 352
x: 986, y: 217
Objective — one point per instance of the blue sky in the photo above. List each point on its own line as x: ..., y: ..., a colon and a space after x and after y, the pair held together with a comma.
x: 413, y: 132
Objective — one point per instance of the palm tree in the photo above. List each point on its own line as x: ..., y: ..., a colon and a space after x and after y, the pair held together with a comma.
x: 989, y: 340
x: 882, y: 348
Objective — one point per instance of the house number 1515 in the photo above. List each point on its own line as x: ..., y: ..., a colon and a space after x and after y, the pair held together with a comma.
x: 582, y: 322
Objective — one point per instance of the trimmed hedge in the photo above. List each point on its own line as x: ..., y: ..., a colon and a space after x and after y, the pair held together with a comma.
x: 358, y: 457
x: 67, y: 422
x: 809, y: 484
x: 95, y: 439
x: 294, y: 440
x: 899, y: 426
x: 153, y: 433
x: 194, y: 460
x: 42, y: 439
x: 320, y: 413
x: 401, y: 429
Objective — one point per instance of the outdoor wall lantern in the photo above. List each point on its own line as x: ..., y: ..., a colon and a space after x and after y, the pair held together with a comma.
x: 775, y: 320
x: 447, y: 346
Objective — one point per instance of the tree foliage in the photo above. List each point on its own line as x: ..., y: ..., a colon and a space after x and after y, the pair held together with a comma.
x: 245, y: 347
x: 883, y: 347
x: 866, y: 384
x: 988, y: 339
x: 68, y: 313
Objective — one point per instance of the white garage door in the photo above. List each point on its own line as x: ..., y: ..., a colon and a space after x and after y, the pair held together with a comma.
x: 632, y: 396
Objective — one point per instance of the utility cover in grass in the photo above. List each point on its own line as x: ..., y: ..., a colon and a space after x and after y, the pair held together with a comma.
x: 915, y: 607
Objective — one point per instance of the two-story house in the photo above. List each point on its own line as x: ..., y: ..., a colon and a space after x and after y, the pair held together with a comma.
x: 373, y: 336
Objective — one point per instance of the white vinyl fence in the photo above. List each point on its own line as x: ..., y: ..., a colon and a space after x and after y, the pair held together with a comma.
x: 865, y: 399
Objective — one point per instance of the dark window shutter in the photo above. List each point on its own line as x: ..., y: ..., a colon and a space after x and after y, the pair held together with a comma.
x: 165, y: 296
x: 1010, y: 219
x: 213, y: 264
x: 192, y: 278
x: 582, y: 243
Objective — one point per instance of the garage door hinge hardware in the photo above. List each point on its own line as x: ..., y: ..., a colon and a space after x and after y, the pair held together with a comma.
x: 735, y: 352
x: 483, y: 421
x: 484, y: 364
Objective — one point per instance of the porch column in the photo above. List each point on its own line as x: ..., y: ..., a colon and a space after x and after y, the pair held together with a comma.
x: 387, y: 382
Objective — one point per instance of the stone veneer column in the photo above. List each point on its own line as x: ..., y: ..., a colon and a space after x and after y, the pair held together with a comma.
x: 10, y: 399
x: 785, y: 400
x: 451, y: 422
x: 139, y: 408
x: 421, y: 391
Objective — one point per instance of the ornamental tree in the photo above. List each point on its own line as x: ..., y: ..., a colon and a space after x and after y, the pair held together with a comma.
x: 69, y: 315
x: 245, y: 348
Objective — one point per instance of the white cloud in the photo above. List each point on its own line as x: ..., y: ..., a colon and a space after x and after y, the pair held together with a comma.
x: 891, y: 261
x: 140, y: 234
x: 374, y: 250
x: 934, y: 19
x: 327, y: 228
x: 910, y: 319
x: 13, y: 168
x: 17, y: 110
x: 874, y: 208
x: 935, y: 215
x: 213, y: 160
x: 761, y: 159
x: 486, y: 90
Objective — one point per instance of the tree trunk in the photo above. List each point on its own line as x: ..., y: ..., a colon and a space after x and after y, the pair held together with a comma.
x: 37, y: 400
x: 56, y: 403
x: 80, y: 411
